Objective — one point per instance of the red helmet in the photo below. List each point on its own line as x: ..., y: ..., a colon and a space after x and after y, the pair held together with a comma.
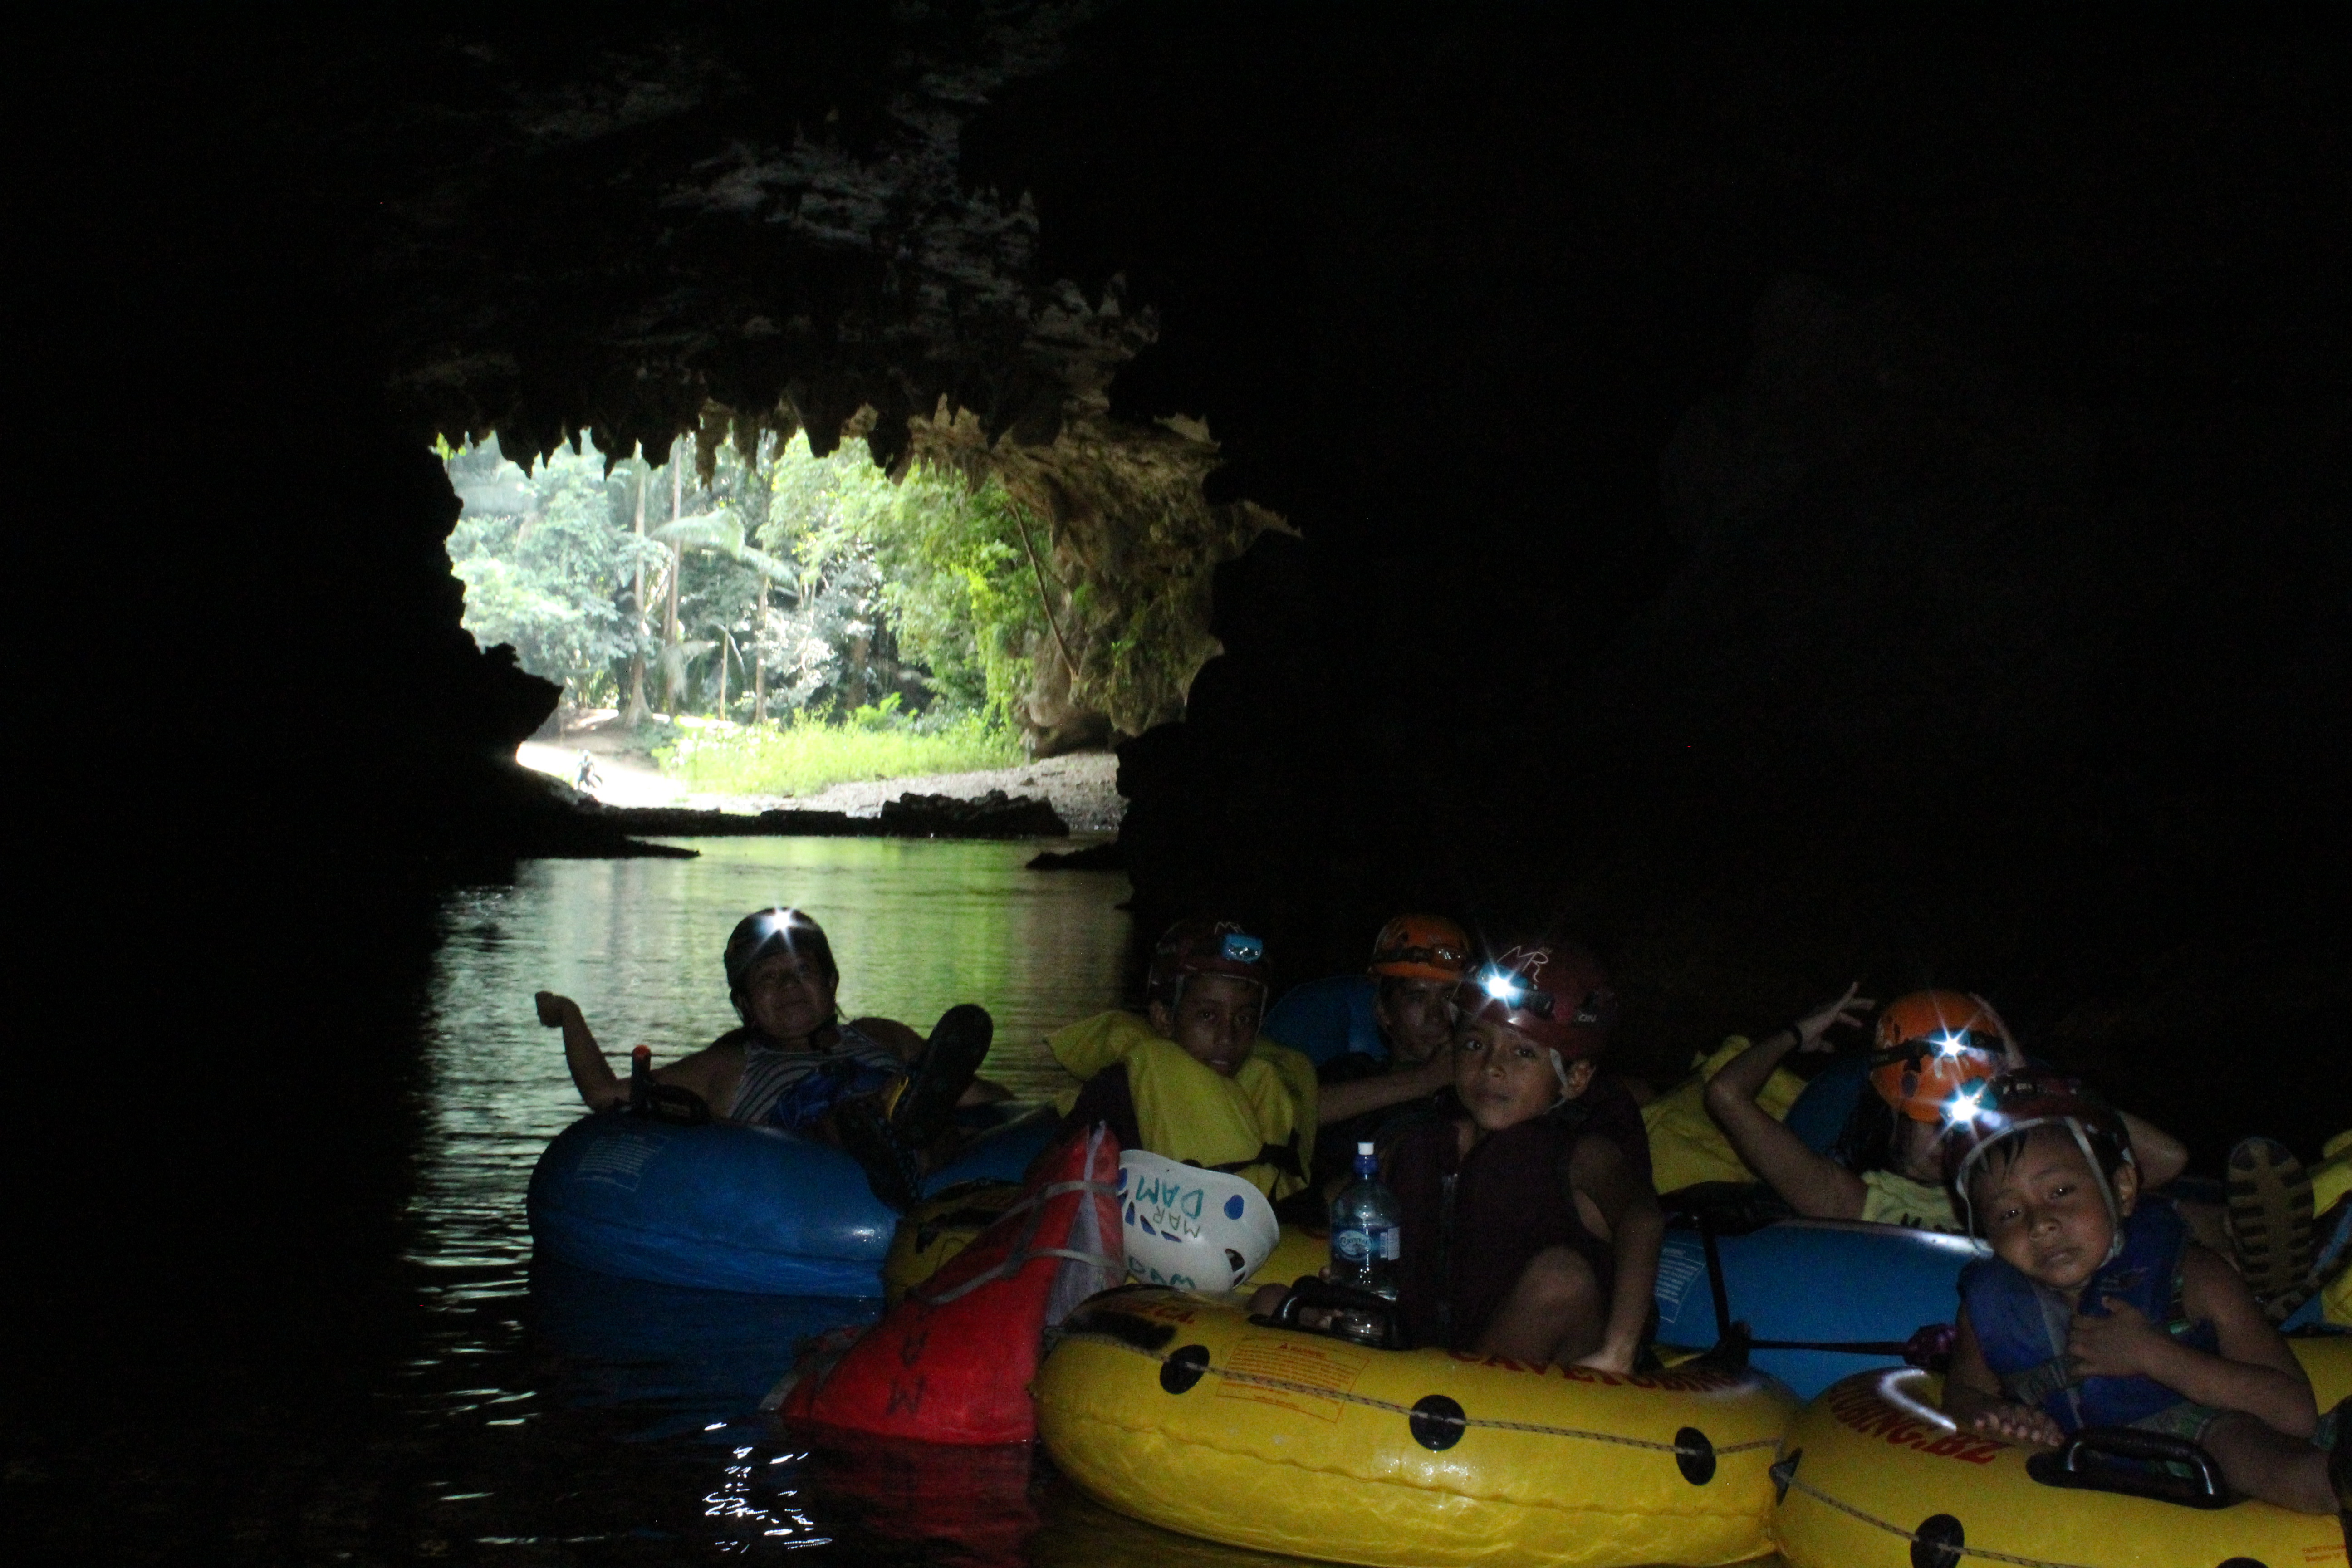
x: 1983, y: 1114
x: 1421, y: 947
x: 1556, y: 994
x: 1931, y: 1046
x: 1204, y: 947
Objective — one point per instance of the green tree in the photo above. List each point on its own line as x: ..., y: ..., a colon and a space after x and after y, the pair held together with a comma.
x: 546, y: 567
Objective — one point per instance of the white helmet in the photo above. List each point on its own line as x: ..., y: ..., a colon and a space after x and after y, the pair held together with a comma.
x: 1192, y: 1229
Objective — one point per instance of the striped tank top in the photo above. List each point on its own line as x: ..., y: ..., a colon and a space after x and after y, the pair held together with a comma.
x: 770, y: 1072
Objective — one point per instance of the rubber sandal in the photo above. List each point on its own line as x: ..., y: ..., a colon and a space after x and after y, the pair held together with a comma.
x: 947, y: 1067
x: 892, y: 1168
x: 2270, y: 1219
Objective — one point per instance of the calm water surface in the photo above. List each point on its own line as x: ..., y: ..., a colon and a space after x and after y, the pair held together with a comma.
x: 552, y: 1415
x: 558, y: 1415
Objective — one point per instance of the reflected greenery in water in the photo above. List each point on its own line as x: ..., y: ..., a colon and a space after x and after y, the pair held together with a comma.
x: 567, y: 1416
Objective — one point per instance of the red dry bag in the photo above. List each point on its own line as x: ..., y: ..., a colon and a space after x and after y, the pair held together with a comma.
x: 952, y: 1363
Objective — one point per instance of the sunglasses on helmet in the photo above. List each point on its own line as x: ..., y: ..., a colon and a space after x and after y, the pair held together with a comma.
x: 1953, y: 1043
x: 1447, y: 957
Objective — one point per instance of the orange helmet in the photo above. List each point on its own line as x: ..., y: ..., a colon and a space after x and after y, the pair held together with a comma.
x: 1421, y: 947
x: 1931, y: 1045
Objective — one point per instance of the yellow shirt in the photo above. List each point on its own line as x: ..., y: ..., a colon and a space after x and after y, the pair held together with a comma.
x: 1685, y: 1145
x: 1188, y: 1110
x: 1891, y: 1199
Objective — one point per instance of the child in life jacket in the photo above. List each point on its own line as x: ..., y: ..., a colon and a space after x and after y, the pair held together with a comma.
x: 1192, y: 1080
x: 2097, y: 1309
x: 1528, y: 1227
x: 1528, y: 1230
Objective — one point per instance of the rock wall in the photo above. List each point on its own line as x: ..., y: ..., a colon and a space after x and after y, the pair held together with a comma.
x: 1801, y: 497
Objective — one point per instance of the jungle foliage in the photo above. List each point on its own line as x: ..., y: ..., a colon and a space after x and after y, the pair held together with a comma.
x: 787, y: 586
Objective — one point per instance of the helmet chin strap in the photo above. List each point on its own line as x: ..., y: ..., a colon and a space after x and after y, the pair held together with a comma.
x: 2081, y: 1142
x: 1560, y: 1071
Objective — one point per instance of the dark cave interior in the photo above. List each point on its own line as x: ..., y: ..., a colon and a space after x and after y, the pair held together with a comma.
x: 1799, y: 498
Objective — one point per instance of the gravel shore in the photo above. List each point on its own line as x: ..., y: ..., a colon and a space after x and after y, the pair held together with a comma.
x: 1081, y: 787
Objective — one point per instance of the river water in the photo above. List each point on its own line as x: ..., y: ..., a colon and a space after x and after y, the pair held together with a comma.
x: 566, y: 1416
x: 320, y: 1381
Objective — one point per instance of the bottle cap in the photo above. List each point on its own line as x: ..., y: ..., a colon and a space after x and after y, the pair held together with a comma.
x: 1364, y: 1148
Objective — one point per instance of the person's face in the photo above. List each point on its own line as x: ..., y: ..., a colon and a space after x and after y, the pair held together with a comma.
x: 1915, y: 1151
x: 2043, y: 1211
x: 788, y: 994
x: 1416, y: 1018
x: 1504, y: 1078
x: 1214, y: 1019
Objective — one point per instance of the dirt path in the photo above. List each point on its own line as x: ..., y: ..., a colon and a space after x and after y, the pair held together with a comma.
x: 1081, y: 787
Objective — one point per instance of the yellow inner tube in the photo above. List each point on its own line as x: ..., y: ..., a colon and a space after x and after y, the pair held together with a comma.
x: 1175, y: 1409
x: 1877, y: 1477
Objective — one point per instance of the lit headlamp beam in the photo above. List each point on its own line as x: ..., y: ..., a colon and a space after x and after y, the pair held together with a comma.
x: 1504, y: 987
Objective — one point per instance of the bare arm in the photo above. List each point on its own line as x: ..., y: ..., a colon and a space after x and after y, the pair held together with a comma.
x: 1636, y: 1228
x: 592, y: 1075
x: 2159, y: 1154
x: 1342, y: 1101
x: 1974, y: 1398
x: 1815, y: 1185
x: 901, y: 1041
x: 891, y: 1036
x: 2253, y: 1371
x: 703, y: 1071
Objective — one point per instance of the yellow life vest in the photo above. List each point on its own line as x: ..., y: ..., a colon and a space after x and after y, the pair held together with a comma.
x: 1187, y: 1110
x: 1685, y: 1145
x: 2331, y: 1179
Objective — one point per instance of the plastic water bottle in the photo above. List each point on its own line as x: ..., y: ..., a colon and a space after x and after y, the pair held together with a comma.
x: 1365, y: 1240
x: 641, y: 1077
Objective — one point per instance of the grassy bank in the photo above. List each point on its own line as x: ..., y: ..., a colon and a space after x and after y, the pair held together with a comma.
x: 806, y: 755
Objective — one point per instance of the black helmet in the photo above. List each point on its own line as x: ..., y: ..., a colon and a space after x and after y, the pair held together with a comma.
x: 771, y: 931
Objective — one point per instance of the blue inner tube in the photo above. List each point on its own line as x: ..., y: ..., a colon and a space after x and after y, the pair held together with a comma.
x: 732, y: 1207
x: 1816, y: 1282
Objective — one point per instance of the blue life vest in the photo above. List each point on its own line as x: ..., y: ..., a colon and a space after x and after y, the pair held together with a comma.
x: 2021, y: 1325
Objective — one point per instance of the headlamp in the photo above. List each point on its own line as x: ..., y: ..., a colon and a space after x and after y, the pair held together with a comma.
x: 1239, y: 947
x: 1514, y: 991
x: 1965, y: 1107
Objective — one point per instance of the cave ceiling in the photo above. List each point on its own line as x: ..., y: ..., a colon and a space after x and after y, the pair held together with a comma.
x: 709, y: 228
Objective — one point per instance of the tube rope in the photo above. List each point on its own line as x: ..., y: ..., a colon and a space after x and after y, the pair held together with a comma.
x: 1258, y: 1380
x: 1962, y: 1550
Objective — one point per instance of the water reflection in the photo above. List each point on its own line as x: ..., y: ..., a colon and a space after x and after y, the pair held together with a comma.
x: 553, y: 1415
x: 564, y: 1416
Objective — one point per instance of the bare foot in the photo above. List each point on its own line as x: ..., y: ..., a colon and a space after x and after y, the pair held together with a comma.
x: 2018, y: 1424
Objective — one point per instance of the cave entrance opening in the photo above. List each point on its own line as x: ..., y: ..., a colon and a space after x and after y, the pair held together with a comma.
x: 739, y: 615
